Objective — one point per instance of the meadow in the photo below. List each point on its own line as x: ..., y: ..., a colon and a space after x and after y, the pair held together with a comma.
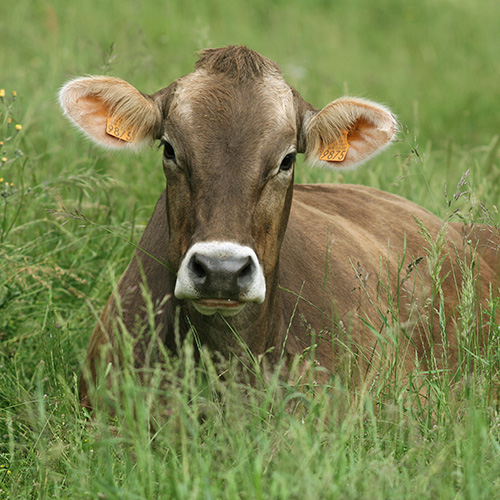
x: 434, y: 63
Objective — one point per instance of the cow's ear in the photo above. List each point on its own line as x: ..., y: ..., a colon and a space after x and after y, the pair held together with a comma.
x: 347, y: 132
x: 111, y: 112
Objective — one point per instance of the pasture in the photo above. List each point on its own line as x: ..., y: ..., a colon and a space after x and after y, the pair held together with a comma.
x: 433, y: 435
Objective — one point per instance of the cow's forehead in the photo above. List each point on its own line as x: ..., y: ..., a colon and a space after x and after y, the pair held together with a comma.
x: 203, y: 92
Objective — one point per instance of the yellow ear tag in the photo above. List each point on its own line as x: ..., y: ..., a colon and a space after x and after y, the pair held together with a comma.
x: 113, y: 128
x: 337, y: 150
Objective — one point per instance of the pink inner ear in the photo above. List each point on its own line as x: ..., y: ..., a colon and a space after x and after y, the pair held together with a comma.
x: 365, y: 139
x: 370, y: 128
x: 92, y: 117
x: 91, y: 111
x: 91, y: 101
x: 91, y: 105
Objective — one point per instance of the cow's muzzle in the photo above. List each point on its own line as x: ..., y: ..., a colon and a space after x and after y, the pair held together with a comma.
x: 220, y: 277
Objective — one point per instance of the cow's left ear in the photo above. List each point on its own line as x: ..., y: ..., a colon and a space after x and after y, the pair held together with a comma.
x: 347, y: 132
x: 111, y: 112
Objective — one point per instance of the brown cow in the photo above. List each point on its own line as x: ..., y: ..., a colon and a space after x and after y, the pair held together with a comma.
x: 234, y: 246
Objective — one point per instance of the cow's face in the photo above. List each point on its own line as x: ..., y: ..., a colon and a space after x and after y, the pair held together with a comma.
x: 230, y: 133
x: 229, y: 154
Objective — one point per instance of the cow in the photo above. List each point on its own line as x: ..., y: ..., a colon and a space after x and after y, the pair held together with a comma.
x: 239, y: 254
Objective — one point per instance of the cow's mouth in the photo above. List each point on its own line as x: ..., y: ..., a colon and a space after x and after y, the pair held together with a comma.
x: 225, y: 307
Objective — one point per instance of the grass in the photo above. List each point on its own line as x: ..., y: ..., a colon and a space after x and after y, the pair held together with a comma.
x: 187, y: 434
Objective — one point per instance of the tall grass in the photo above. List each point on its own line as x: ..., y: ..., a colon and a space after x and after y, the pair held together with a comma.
x: 189, y: 433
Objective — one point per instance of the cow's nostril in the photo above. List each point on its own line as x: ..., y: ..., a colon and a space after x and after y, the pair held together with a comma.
x: 198, y: 268
x: 246, y: 270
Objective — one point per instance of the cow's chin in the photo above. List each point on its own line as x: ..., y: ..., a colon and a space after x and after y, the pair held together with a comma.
x: 225, y: 307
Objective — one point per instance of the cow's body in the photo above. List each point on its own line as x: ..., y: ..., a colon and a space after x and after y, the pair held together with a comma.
x: 368, y: 245
x: 229, y: 254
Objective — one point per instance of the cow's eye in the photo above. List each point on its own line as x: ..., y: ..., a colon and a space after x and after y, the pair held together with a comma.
x: 288, y: 161
x: 168, y: 151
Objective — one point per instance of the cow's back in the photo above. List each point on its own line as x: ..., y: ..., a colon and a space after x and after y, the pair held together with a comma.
x: 355, y: 275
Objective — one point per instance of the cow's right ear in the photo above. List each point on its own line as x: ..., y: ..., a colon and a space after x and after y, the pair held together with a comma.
x: 111, y: 112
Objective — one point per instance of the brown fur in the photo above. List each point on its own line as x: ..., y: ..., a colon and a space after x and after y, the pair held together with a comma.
x: 346, y: 267
x: 236, y: 62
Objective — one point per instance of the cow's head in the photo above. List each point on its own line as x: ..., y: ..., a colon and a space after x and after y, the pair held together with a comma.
x: 230, y: 133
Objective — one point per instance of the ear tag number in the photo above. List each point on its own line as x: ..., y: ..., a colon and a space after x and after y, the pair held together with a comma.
x: 337, y: 150
x: 114, y: 128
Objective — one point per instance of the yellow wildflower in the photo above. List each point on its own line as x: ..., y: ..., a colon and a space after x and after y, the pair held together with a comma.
x: 19, y: 126
x: 1, y: 180
x: 14, y: 93
x: 2, y: 92
x: 9, y: 120
x: 4, y: 159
